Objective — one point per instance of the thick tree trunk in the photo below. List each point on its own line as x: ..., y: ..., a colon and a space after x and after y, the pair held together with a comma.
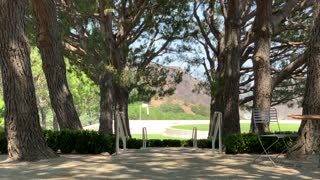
x: 48, y: 41
x: 25, y: 138
x: 106, y: 81
x: 309, y: 132
x: 231, y: 71
x: 42, y: 102
x: 261, y: 60
x: 106, y: 104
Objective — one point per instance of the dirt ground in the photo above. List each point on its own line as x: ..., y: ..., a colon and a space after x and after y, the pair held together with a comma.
x: 160, y: 163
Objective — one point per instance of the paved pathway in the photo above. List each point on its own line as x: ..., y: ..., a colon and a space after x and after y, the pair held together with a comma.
x: 157, y: 163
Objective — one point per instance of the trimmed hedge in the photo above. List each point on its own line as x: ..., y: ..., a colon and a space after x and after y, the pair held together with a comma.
x: 249, y: 143
x: 137, y: 143
x: 3, y: 143
x: 72, y: 141
x: 82, y: 142
x: 92, y: 142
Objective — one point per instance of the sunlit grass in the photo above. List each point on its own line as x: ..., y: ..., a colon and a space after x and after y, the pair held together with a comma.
x: 244, y: 127
x: 154, y: 136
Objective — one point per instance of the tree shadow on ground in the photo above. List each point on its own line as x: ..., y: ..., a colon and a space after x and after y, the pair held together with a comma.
x: 157, y: 163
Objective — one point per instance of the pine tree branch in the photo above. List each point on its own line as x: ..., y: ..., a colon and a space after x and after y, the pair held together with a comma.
x: 287, y: 71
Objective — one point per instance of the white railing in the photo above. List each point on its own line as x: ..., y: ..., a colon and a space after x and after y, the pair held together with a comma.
x: 144, y: 138
x: 121, y: 131
x: 194, y: 137
x: 217, y: 116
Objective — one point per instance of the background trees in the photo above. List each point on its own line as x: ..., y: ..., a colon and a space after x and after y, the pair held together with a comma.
x: 212, y: 28
x: 252, y: 53
x: 49, y: 43
x: 113, y: 42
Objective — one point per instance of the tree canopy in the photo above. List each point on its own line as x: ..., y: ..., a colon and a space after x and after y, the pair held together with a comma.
x: 90, y: 59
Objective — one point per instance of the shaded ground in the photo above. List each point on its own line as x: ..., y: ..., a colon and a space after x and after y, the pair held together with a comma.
x: 158, y: 163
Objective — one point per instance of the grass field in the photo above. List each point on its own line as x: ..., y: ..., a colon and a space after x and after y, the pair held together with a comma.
x: 154, y: 136
x: 244, y: 127
x: 164, y: 112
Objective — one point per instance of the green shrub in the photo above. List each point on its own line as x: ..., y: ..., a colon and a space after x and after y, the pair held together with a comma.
x: 201, y: 110
x: 3, y: 143
x: 94, y: 142
x: 52, y: 139
x: 171, y: 143
x: 91, y: 142
x: 67, y: 140
x: 187, y: 143
x: 155, y: 143
x: 249, y: 143
x: 134, y: 143
x: 204, y: 143
x: 1, y: 123
x: 173, y: 108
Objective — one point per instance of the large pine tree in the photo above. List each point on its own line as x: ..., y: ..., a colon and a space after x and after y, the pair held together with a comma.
x: 309, y: 131
x: 25, y: 138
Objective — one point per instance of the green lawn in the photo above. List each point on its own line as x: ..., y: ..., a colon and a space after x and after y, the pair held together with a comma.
x: 244, y: 127
x: 164, y: 112
x: 154, y: 136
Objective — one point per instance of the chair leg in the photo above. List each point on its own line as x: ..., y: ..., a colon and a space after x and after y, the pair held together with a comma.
x: 265, y: 151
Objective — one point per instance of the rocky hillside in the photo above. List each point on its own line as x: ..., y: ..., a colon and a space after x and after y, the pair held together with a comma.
x: 186, y: 98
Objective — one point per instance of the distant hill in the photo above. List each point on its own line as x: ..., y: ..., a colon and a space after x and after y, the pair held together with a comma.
x: 186, y: 98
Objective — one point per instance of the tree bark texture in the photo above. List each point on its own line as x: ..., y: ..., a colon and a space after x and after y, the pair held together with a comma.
x: 25, y: 138
x: 106, y: 104
x: 309, y: 132
x: 261, y: 60
x: 231, y: 70
x: 49, y: 43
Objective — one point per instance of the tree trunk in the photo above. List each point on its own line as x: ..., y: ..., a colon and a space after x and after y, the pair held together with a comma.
x: 122, y: 103
x: 48, y: 41
x: 231, y: 71
x: 212, y: 120
x: 42, y: 102
x: 261, y: 60
x: 25, y: 138
x: 309, y: 132
x: 106, y: 104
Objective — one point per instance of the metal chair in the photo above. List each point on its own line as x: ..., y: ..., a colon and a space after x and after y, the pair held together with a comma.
x: 263, y: 117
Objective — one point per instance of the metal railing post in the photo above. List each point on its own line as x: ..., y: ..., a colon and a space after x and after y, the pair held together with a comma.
x: 218, y: 116
x: 144, y: 138
x: 194, y: 137
x: 117, y: 135
x: 121, y: 131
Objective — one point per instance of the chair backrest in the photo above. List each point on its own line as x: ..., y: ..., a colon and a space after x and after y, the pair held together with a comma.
x: 265, y: 116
